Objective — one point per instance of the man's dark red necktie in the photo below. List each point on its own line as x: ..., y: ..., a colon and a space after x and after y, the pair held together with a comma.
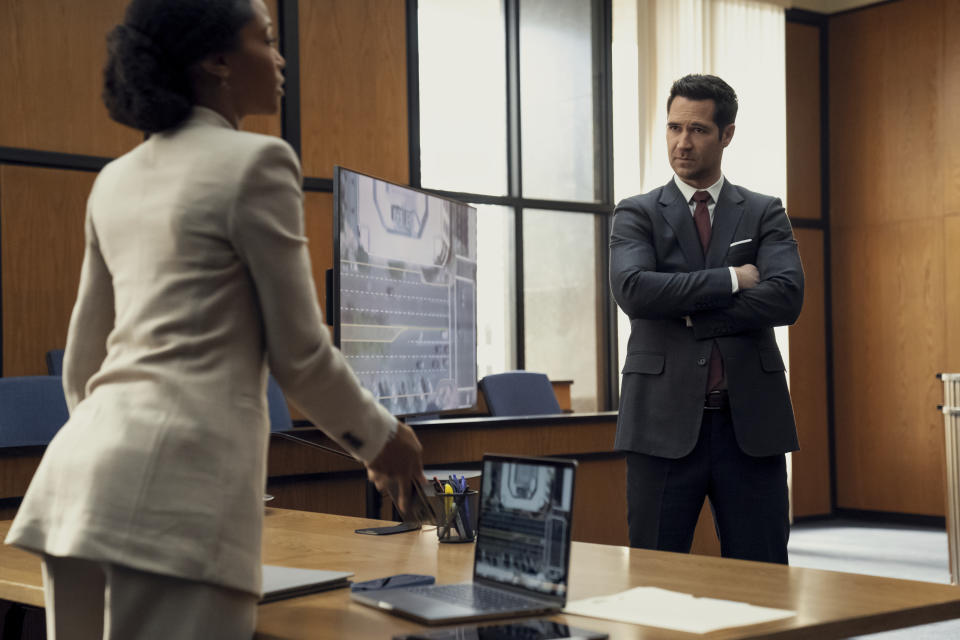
x: 701, y: 217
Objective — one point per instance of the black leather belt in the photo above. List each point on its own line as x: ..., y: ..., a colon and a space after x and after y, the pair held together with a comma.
x: 717, y: 400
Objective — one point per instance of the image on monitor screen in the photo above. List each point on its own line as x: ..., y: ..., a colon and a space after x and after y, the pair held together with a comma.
x: 406, y: 293
x: 524, y: 529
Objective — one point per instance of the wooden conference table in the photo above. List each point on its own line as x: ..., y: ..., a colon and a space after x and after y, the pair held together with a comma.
x: 828, y: 604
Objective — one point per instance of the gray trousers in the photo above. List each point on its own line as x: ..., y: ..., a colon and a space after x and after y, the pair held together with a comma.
x: 88, y: 600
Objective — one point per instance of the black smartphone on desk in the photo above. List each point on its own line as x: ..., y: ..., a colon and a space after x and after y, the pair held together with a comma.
x: 419, y: 512
x: 386, y: 531
x: 522, y: 630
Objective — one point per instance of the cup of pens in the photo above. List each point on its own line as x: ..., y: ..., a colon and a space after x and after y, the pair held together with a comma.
x: 457, y: 507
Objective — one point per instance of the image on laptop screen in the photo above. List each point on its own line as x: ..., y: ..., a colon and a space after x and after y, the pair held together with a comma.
x: 525, y: 525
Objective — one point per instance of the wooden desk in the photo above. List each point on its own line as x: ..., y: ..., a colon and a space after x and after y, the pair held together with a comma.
x: 828, y: 604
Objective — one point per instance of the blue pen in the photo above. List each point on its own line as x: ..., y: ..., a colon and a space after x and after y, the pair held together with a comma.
x: 457, y: 518
x: 468, y: 529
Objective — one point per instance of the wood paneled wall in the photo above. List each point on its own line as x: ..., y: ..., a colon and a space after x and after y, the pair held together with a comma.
x: 51, y: 77
x: 808, y: 348
x: 895, y: 198
x: 952, y: 285
x: 803, y: 121
x: 41, y: 226
x: 318, y: 221
x: 808, y: 385
x: 951, y: 182
x: 353, y: 72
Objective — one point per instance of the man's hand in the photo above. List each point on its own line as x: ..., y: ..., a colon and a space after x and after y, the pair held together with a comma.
x: 747, y: 276
x: 398, y: 465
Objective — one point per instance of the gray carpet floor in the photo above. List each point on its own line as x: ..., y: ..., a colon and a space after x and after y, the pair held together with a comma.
x: 891, y: 550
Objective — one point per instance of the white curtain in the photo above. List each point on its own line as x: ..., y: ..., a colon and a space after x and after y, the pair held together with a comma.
x: 742, y: 41
x: 657, y: 41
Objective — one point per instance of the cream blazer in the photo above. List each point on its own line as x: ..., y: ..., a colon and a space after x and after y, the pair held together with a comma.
x: 195, y: 278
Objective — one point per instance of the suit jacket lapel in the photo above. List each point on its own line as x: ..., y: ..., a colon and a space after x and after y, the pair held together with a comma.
x: 676, y: 211
x: 726, y: 217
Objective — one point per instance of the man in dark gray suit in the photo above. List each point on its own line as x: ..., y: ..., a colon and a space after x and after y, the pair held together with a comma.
x: 705, y: 270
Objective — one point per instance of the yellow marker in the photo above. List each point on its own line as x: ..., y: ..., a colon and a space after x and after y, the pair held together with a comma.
x: 448, y: 502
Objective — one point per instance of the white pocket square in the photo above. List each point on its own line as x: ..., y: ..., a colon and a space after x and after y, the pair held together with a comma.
x: 733, y: 244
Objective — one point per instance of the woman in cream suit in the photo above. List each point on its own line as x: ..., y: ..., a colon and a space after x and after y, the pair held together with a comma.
x: 147, y: 507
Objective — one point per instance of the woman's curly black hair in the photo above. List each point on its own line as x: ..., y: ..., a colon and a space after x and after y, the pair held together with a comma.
x: 146, y: 79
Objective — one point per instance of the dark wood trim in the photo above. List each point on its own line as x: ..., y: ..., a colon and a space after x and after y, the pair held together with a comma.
x: 318, y: 184
x: 803, y: 16
x: 511, y: 13
x: 863, y: 8
x: 807, y: 223
x: 52, y: 159
x: 827, y: 261
x: 413, y: 92
x: 821, y: 22
x: 608, y: 396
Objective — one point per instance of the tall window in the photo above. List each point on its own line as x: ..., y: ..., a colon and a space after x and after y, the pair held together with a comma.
x: 514, y: 115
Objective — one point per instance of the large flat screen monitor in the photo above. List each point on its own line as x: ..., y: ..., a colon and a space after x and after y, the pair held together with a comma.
x: 404, y: 293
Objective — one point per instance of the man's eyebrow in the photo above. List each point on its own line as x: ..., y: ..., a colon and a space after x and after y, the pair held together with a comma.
x: 694, y: 123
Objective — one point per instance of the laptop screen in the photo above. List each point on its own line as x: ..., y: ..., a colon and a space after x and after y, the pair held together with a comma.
x: 523, y: 536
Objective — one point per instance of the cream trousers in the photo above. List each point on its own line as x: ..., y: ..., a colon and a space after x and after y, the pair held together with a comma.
x: 88, y: 600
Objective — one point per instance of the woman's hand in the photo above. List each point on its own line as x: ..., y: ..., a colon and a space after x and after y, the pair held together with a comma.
x: 398, y: 465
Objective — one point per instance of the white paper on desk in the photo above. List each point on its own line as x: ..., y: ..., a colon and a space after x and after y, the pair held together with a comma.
x: 654, y: 607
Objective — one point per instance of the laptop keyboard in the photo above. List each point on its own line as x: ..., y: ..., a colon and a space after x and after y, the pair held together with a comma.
x: 476, y: 596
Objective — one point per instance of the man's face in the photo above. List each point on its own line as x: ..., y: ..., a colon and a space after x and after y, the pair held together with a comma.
x: 694, y: 142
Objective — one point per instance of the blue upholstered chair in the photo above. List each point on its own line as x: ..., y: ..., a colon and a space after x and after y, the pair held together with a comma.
x: 519, y: 393
x: 280, y: 419
x: 55, y: 362
x: 32, y: 410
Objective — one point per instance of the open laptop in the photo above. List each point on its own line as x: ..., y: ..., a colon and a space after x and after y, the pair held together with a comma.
x: 522, y: 555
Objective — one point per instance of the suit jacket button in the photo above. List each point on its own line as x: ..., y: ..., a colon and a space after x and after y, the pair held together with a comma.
x: 702, y: 361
